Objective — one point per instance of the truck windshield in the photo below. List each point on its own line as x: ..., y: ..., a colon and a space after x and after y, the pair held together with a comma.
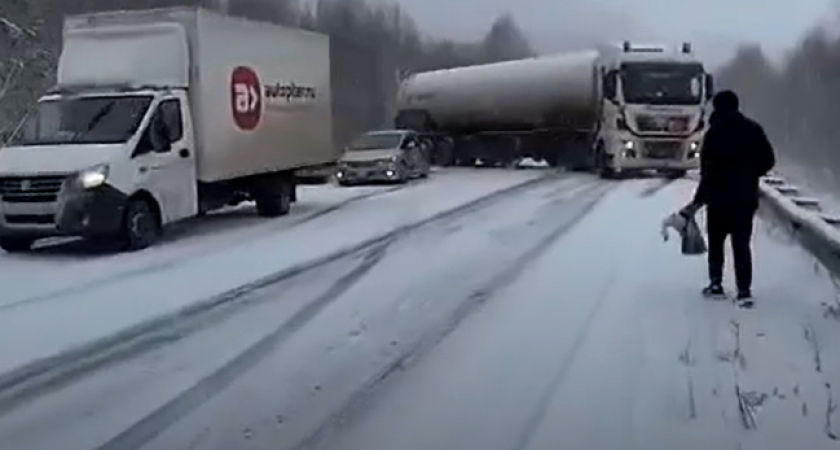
x: 662, y: 83
x: 376, y: 141
x: 84, y: 120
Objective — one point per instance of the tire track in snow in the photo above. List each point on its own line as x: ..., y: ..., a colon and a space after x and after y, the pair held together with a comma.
x: 656, y: 188
x: 169, y: 263
x: 149, y: 427
x: 589, y: 198
x: 533, y: 423
x: 46, y: 375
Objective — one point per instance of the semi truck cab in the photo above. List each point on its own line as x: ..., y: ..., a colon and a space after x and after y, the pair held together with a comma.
x: 653, y: 115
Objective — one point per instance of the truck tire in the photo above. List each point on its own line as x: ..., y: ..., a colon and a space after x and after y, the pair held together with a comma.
x: 274, y: 201
x: 16, y: 245
x: 141, y: 226
x: 605, y: 172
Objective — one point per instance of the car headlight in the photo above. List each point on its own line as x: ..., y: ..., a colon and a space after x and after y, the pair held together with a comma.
x: 93, y: 177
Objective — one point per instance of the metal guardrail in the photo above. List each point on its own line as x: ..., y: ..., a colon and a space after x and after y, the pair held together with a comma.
x: 806, y: 217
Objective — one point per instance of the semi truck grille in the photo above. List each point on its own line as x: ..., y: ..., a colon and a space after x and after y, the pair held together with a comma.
x: 662, y: 124
x: 30, y: 219
x: 663, y: 149
x: 362, y: 163
x: 42, y: 189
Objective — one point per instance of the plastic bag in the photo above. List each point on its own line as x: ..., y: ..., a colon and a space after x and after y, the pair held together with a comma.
x: 693, y: 242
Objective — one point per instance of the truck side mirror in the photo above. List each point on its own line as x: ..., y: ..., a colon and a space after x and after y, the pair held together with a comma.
x: 710, y: 86
x: 159, y: 133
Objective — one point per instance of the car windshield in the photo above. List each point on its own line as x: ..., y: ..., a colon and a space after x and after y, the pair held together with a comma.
x: 662, y: 83
x: 84, y: 120
x: 376, y: 141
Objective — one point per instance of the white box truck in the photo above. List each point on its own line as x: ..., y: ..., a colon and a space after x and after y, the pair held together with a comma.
x: 162, y: 115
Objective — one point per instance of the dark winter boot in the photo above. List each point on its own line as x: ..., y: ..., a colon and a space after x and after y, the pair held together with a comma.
x: 713, y: 290
x: 744, y: 298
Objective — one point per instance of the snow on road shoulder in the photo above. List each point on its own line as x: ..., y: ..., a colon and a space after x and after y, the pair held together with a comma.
x: 78, y: 318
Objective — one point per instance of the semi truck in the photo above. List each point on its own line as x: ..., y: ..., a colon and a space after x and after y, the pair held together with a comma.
x: 619, y: 108
x: 162, y: 115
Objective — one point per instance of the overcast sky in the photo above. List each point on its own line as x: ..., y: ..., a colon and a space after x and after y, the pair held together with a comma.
x: 715, y: 26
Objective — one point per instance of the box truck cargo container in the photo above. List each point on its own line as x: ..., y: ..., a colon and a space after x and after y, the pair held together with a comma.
x: 618, y: 108
x: 162, y: 115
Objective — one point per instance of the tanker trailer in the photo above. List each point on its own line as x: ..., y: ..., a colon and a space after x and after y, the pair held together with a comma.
x: 620, y: 108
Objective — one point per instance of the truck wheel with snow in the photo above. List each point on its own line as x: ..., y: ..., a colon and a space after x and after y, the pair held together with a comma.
x: 192, y: 113
x: 142, y: 224
x: 274, y: 196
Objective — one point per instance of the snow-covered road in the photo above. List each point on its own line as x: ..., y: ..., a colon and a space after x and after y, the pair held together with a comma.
x: 547, y: 316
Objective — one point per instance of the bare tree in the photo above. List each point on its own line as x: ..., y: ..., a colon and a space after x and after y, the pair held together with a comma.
x: 372, y: 45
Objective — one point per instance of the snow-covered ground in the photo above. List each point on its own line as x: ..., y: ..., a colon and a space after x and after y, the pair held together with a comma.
x: 551, y: 317
x: 81, y: 301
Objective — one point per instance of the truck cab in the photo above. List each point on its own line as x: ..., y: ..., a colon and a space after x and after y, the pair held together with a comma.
x: 80, y: 154
x: 653, y: 112
x: 188, y: 113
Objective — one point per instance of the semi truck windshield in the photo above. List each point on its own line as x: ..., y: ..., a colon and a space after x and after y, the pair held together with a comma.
x: 662, y: 83
x: 84, y: 120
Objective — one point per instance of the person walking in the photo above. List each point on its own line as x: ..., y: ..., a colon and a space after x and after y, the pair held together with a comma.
x: 735, y: 154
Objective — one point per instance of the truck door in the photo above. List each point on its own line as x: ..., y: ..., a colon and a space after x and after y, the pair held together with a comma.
x: 171, y: 163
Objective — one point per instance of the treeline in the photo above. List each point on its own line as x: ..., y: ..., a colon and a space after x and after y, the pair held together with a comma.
x: 30, y: 37
x: 798, y: 102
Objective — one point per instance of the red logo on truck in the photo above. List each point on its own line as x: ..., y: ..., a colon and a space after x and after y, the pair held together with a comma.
x: 246, y: 98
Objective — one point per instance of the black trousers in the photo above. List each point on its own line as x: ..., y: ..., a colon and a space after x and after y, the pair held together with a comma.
x: 737, y: 223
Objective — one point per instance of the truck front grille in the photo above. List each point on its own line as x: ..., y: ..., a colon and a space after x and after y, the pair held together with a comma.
x: 36, y: 189
x: 362, y: 163
x: 30, y: 219
x: 662, y: 124
x: 663, y: 149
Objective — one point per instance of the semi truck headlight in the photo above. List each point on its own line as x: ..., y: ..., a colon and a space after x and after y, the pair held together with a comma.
x: 93, y: 177
x: 694, y: 146
x: 628, y: 145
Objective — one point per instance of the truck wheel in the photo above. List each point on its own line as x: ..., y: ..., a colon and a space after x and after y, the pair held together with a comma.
x: 16, y: 245
x: 141, y: 227
x: 274, y: 202
x: 604, y: 170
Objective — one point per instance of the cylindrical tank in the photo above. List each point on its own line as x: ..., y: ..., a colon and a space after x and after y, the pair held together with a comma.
x: 557, y: 91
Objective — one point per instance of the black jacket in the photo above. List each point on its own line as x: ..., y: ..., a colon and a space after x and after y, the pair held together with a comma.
x: 735, y: 155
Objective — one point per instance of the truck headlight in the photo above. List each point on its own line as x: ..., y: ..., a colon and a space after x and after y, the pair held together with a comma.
x: 93, y: 177
x: 694, y: 146
x: 628, y: 145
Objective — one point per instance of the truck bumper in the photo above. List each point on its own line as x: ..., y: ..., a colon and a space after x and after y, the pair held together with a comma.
x: 657, y: 154
x: 90, y: 213
x: 368, y: 174
x: 655, y: 164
